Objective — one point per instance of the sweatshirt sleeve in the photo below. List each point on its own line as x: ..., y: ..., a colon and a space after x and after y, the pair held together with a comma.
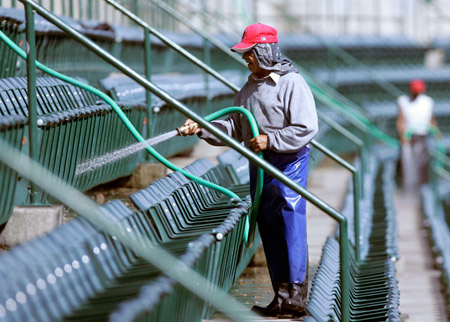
x: 230, y: 126
x: 301, y: 118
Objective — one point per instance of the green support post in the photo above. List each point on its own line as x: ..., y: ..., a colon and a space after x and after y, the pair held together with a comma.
x: 355, y: 140
x: 135, y: 6
x: 207, y: 60
x: 356, y: 189
x: 344, y: 271
x: 148, y: 95
x: 185, y: 21
x: 32, y: 100
x: 89, y: 10
x: 141, y: 246
x: 80, y: 10
x: 173, y: 45
x: 251, y: 156
x: 71, y: 9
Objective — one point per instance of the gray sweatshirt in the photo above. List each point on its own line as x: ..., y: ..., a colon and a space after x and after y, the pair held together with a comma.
x: 284, y: 109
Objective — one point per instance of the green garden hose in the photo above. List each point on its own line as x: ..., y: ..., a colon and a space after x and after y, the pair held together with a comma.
x: 250, y: 223
x: 124, y: 119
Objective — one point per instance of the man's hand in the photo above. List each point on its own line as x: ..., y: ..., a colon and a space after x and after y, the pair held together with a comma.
x: 260, y: 143
x: 190, y: 128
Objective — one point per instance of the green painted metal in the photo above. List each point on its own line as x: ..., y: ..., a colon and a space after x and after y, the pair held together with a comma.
x: 250, y: 228
x: 174, y: 46
x: 207, y: 60
x: 271, y: 170
x: 356, y: 191
x: 72, y: 8
x: 32, y: 100
x: 362, y: 149
x: 140, y: 244
x: 338, y: 52
x: 224, y: 49
x: 322, y: 92
x: 122, y: 115
x: 148, y: 74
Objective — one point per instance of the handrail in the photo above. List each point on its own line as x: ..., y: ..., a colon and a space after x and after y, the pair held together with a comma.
x: 121, y: 115
x: 387, y: 86
x: 205, y: 36
x: 317, y: 88
x: 360, y: 121
x: 350, y: 60
x: 251, y: 156
x: 211, y: 17
x: 226, y: 50
x: 173, y: 45
x: 140, y: 244
x: 352, y: 138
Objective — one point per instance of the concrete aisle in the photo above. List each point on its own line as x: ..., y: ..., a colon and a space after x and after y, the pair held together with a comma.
x: 419, y: 282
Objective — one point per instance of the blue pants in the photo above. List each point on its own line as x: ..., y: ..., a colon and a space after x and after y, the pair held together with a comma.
x: 282, y: 217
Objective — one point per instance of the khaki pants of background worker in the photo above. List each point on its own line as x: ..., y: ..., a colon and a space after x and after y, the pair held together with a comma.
x: 414, y: 162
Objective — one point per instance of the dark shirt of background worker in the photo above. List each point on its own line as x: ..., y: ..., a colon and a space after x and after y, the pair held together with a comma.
x: 284, y: 108
x: 414, y: 122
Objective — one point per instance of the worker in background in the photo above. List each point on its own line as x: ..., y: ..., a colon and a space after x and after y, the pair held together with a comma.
x: 415, y: 121
x: 283, y: 105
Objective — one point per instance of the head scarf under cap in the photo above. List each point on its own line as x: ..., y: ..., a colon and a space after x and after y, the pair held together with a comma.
x: 270, y: 58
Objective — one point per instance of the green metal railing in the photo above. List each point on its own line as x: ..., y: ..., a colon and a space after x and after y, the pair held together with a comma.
x: 352, y: 61
x: 322, y: 92
x: 115, y: 107
x: 176, y: 47
x: 139, y: 243
x: 206, y: 37
x: 271, y: 170
x: 356, y: 189
x: 362, y: 149
x: 439, y: 167
x: 32, y: 98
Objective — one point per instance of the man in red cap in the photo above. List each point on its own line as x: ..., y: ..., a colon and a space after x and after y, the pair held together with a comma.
x: 284, y: 108
x: 414, y: 122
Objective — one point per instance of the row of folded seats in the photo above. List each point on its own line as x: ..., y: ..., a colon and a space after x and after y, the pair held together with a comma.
x: 359, y: 87
x: 73, y: 127
x: 374, y: 294
x: 311, y: 51
x: 436, y: 212
x: 380, y: 105
x: 78, y: 272
x: 60, y: 52
x: 78, y: 133
x: 127, y: 43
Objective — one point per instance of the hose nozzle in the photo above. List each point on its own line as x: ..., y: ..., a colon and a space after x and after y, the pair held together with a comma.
x: 183, y: 128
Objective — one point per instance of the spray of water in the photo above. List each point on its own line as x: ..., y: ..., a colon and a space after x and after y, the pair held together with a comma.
x: 111, y: 157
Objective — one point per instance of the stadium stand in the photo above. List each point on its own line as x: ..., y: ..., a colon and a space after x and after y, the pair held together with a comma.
x: 83, y: 273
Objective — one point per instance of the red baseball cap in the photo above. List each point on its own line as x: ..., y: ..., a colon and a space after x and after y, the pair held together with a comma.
x: 417, y: 86
x: 256, y: 33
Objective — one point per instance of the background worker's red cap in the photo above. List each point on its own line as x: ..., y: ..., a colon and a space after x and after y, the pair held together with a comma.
x: 256, y: 34
x: 417, y: 86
